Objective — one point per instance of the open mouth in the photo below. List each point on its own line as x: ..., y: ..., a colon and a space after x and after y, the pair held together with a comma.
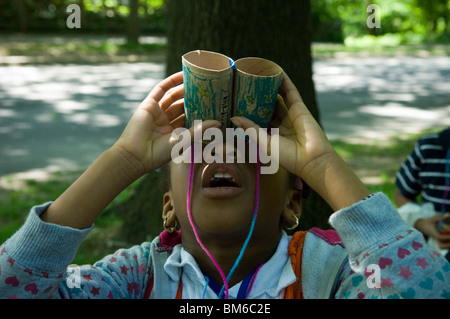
x: 221, y: 180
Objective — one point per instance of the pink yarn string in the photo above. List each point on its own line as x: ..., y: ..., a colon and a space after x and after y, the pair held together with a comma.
x: 191, y: 221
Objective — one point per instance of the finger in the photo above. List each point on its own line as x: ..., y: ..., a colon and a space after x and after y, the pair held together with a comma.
x: 289, y: 91
x: 172, y: 96
x: 187, y: 135
x: 175, y: 110
x: 179, y: 121
x: 279, y: 113
x: 252, y: 130
x: 278, y: 147
x: 281, y: 108
x: 150, y: 103
x: 294, y: 102
x: 162, y: 87
x: 443, y: 242
x: 436, y: 218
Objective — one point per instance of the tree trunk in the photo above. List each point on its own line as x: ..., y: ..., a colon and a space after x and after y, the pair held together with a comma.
x: 275, y: 30
x: 142, y: 211
x: 133, y: 23
x: 22, y: 15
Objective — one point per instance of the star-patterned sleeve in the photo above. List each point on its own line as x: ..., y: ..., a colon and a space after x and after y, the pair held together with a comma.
x: 387, y: 258
x: 122, y: 275
x: 34, y: 264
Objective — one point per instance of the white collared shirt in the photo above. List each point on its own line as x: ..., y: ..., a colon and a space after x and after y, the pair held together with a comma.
x: 270, y: 282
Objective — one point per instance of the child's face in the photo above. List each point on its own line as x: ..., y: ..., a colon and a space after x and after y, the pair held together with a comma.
x: 223, y: 200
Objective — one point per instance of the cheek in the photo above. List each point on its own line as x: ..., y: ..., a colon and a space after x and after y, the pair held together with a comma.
x: 273, y: 190
x: 179, y: 179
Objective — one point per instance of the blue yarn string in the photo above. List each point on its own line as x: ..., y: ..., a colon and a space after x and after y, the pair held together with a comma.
x: 252, y: 226
x: 206, y: 286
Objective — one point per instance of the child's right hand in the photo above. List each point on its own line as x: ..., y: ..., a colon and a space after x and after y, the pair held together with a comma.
x: 146, y: 141
x: 144, y: 146
x: 428, y: 226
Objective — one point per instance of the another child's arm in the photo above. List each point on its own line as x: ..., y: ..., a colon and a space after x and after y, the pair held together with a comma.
x: 387, y: 258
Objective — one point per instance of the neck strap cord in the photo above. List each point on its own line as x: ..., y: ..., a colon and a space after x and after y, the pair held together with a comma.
x: 225, y: 279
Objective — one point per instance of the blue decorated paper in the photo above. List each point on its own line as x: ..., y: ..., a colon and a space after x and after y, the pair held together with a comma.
x: 207, y: 96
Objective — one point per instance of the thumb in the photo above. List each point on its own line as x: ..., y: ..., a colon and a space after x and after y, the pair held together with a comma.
x: 254, y: 132
x: 187, y: 137
x: 438, y: 217
x: 269, y: 144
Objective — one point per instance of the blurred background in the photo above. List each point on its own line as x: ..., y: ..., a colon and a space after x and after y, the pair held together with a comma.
x: 375, y: 74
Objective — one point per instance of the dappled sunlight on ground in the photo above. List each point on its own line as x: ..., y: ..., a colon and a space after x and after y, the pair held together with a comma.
x: 61, y: 116
x: 58, y: 117
x: 381, y: 97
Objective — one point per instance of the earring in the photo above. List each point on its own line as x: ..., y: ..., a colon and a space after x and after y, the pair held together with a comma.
x: 168, y: 228
x: 295, y: 224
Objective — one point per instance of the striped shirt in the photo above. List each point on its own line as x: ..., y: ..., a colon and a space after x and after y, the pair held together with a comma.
x: 426, y: 171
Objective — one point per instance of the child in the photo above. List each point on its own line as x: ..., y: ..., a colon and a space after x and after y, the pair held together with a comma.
x: 423, y: 184
x: 222, y: 250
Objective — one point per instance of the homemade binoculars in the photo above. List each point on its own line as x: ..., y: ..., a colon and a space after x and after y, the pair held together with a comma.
x: 218, y: 88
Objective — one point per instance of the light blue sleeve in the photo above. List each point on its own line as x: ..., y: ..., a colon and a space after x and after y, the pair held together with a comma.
x: 34, y: 264
x: 387, y: 258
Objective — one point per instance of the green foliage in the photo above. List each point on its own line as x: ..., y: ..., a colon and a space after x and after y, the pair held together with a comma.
x: 402, y: 21
x: 107, y: 16
x: 344, y: 21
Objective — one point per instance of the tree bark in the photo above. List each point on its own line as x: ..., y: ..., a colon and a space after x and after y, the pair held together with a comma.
x: 22, y: 15
x: 275, y: 30
x: 133, y: 23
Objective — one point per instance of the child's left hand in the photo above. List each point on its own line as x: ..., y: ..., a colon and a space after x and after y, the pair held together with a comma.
x: 302, y: 140
x: 306, y: 152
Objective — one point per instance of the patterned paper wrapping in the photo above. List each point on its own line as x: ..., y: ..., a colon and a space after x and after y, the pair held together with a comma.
x: 208, y: 85
x: 215, y: 87
x: 256, y: 84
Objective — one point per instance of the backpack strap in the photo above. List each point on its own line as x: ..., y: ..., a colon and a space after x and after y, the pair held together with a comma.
x: 295, y: 250
x: 334, y: 262
x: 163, y: 247
x: 329, y: 280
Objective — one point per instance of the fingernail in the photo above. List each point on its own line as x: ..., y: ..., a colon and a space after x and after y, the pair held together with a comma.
x: 235, y: 121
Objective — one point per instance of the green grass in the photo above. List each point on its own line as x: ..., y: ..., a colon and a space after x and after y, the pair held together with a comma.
x: 83, y: 47
x: 18, y: 197
x: 73, y: 48
x: 359, y: 47
x: 376, y: 163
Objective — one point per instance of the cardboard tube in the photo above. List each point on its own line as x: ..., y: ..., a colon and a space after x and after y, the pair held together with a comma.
x: 256, y: 84
x: 208, y: 84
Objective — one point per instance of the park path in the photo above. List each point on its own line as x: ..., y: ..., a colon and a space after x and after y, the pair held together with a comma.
x: 58, y: 117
